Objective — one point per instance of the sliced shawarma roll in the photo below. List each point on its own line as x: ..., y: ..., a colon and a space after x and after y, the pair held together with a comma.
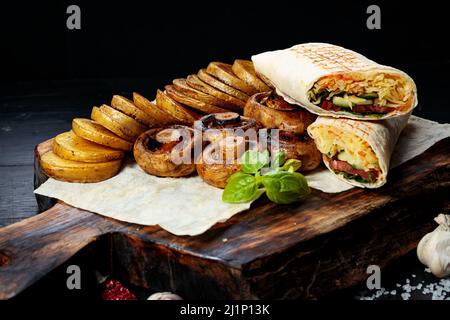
x: 329, y: 80
x: 357, y: 152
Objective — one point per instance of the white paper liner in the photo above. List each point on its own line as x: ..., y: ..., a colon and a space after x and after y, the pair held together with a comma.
x: 189, y: 206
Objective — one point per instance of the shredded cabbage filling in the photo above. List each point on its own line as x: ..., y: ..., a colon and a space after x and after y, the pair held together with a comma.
x: 375, y: 89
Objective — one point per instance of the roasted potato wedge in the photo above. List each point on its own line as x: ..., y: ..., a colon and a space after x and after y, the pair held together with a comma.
x: 230, y: 102
x: 183, y: 114
x: 107, y: 122
x: 133, y: 128
x: 69, y: 146
x: 265, y: 80
x: 161, y: 116
x: 95, y: 132
x: 127, y: 107
x: 74, y: 171
x: 181, y: 86
x: 173, y: 92
x: 245, y: 71
x: 224, y: 72
x: 214, y: 82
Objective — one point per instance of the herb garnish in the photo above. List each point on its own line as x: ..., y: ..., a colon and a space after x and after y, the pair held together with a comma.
x: 280, y: 182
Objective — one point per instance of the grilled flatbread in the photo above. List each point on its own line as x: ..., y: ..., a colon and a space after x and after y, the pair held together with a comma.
x: 329, y: 80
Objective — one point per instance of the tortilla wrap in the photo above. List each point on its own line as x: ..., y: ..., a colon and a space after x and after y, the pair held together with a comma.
x: 365, y: 145
x: 311, y: 74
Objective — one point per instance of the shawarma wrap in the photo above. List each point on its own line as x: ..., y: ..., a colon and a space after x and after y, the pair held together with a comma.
x: 329, y: 80
x: 357, y: 152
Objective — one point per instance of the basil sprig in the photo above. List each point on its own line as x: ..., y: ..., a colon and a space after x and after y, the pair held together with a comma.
x: 279, y: 181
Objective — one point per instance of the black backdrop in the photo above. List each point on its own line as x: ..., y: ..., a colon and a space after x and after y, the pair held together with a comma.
x: 142, y: 45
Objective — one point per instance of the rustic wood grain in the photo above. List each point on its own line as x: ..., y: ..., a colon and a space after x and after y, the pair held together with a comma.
x: 33, y: 247
x: 44, y: 203
x: 302, y: 250
x: 16, y: 193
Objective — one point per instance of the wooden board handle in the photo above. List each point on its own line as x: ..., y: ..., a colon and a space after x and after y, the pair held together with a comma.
x: 31, y: 248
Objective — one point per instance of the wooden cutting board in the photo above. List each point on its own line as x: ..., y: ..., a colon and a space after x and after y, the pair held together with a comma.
x: 303, y: 250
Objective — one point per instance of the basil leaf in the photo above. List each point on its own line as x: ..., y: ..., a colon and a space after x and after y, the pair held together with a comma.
x: 240, y: 188
x: 292, y: 163
x: 278, y: 159
x: 252, y: 161
x: 285, y: 187
x: 293, y: 182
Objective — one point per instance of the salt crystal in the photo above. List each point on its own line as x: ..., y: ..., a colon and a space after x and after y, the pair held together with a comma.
x: 439, y: 290
x: 405, y: 296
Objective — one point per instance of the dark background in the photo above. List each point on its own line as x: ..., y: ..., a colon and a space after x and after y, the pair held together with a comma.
x: 142, y: 45
x: 50, y: 74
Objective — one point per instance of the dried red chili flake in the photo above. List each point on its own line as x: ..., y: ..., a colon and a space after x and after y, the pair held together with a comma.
x: 114, y: 290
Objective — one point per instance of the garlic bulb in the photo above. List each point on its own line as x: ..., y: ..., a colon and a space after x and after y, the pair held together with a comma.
x: 164, y: 296
x: 434, y: 248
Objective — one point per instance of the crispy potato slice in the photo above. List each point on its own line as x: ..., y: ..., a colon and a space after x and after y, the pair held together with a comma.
x: 212, y: 81
x: 161, y: 116
x: 172, y: 91
x: 107, y: 122
x: 95, y: 132
x: 224, y: 72
x: 183, y: 114
x: 69, y: 146
x: 265, y: 80
x: 127, y: 106
x: 185, y: 89
x: 133, y: 127
x: 231, y: 103
x: 74, y: 171
x: 245, y: 71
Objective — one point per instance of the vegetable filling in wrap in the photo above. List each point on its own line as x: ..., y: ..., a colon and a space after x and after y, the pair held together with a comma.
x: 363, y: 93
x: 347, y: 154
x: 357, y: 152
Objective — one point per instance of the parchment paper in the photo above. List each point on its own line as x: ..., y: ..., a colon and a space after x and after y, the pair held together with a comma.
x: 189, y: 206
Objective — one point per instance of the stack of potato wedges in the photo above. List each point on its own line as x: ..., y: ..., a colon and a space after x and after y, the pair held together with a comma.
x: 220, y: 87
x: 93, y: 150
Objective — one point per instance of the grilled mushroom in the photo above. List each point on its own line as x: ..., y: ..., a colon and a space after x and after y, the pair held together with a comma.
x: 272, y: 111
x: 219, y: 160
x: 300, y: 147
x: 216, y: 126
x: 166, y: 152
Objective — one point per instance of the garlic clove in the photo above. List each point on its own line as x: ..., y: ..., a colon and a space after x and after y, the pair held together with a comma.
x: 433, y: 249
x: 422, y: 253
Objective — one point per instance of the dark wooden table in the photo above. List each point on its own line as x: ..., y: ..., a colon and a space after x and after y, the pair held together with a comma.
x: 27, y: 120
